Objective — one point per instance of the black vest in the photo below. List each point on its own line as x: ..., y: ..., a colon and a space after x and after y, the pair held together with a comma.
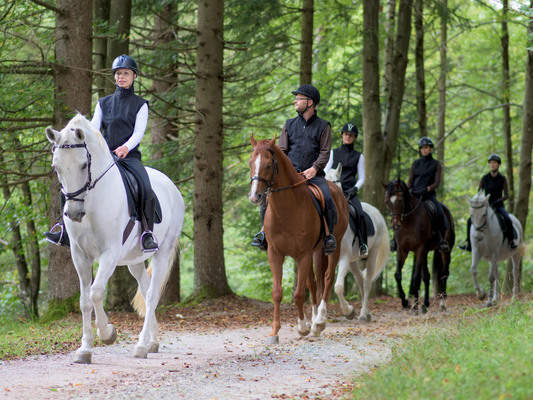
x: 348, y: 158
x: 304, y: 140
x: 493, y: 186
x: 119, y: 112
x: 425, y: 169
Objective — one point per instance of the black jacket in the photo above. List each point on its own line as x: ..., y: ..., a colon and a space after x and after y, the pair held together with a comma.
x: 495, y: 187
x: 424, y: 171
x: 348, y: 158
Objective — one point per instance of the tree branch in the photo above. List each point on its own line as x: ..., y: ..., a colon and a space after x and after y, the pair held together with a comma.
x: 49, y: 6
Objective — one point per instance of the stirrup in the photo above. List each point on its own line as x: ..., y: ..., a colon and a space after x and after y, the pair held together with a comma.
x: 58, y: 243
x: 149, y: 250
x: 363, y: 252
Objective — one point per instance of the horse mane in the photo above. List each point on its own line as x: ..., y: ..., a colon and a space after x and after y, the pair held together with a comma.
x: 79, y: 121
x: 301, y: 191
x: 391, y: 185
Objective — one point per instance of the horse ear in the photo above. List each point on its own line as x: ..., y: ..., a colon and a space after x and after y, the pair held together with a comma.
x: 80, y: 135
x: 52, y: 135
x: 273, y: 140
x: 384, y: 186
x: 468, y: 199
x: 253, y: 141
x: 487, y: 198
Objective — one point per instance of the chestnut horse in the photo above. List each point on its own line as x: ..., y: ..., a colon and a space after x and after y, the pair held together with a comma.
x: 413, y: 232
x: 293, y: 228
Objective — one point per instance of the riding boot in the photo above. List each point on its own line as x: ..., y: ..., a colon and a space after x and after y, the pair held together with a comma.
x: 259, y: 239
x: 59, y: 238
x: 444, y: 247
x: 466, y: 245
x: 363, y: 240
x: 148, y: 240
x: 330, y: 244
x: 509, y: 231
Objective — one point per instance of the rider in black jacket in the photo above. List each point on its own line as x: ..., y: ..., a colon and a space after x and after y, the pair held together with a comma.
x: 352, y: 178
x: 122, y: 118
x: 424, y: 178
x: 494, y: 184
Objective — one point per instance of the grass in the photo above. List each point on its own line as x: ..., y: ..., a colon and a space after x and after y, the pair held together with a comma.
x: 487, y: 355
x: 22, y: 339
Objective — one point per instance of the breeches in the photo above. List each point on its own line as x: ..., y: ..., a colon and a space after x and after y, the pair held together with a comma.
x: 136, y: 165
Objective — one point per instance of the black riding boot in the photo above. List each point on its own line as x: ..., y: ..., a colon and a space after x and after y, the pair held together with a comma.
x: 59, y: 238
x: 509, y: 232
x: 466, y: 245
x: 363, y: 239
x: 330, y: 244
x: 148, y: 240
x: 259, y: 239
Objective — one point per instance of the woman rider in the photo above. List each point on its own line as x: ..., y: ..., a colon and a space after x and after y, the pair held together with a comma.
x: 122, y: 118
x: 494, y: 184
x: 352, y: 178
x: 424, y: 178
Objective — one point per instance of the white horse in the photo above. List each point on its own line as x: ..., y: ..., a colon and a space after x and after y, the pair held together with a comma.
x: 378, y: 255
x: 488, y: 244
x: 96, y: 213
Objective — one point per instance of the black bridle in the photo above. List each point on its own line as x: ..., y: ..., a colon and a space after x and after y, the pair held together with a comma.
x: 89, y: 185
x: 403, y: 214
x: 270, y: 183
x: 485, y: 215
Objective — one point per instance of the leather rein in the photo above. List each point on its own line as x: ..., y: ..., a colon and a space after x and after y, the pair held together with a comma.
x: 485, y: 224
x: 403, y: 214
x: 89, y: 185
x: 269, y: 191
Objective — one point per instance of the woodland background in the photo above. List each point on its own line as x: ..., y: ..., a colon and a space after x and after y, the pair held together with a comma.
x: 216, y: 71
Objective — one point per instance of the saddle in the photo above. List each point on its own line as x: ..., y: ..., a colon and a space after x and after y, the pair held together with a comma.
x: 320, y: 204
x: 432, y: 212
x: 503, y: 225
x: 134, y: 191
x: 354, y: 217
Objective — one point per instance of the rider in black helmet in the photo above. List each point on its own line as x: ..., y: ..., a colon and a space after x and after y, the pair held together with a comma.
x: 352, y: 178
x: 306, y: 140
x: 122, y: 118
x: 494, y: 184
x: 424, y: 178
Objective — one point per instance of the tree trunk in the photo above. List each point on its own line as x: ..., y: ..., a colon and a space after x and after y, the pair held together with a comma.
x: 120, y: 14
x: 73, y: 81
x: 101, y: 14
x: 419, y: 61
x: 441, y: 119
x: 209, y: 269
x: 388, y: 52
x: 306, y: 50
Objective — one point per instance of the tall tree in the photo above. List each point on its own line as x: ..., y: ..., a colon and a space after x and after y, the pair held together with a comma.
x: 306, y: 49
x: 73, y: 82
x: 388, y: 51
x: 101, y: 16
x: 420, y: 75
x: 441, y: 119
x: 209, y: 268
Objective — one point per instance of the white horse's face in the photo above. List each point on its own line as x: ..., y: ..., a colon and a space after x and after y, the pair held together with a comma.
x: 334, y: 175
x: 479, y: 208
x: 72, y: 166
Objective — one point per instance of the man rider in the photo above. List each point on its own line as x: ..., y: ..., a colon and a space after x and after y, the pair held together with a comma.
x: 306, y: 140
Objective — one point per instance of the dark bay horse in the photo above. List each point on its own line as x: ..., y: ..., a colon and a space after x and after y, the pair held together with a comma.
x: 293, y: 228
x: 413, y: 232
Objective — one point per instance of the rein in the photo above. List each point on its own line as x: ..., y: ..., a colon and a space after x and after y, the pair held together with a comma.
x: 403, y: 214
x: 485, y: 224
x: 269, y: 191
x: 89, y: 185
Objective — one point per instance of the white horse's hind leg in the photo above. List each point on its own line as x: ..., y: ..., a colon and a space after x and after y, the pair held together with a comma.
x: 365, y: 315
x: 84, y: 353
x: 344, y: 262
x: 494, y: 281
x: 476, y: 256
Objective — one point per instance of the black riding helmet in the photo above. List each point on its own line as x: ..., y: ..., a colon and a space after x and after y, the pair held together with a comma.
x: 425, y: 141
x: 309, y: 91
x: 351, y: 128
x: 125, y: 61
x: 495, y: 157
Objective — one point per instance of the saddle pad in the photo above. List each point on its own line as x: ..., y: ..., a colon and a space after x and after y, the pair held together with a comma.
x: 370, y: 229
x: 432, y: 212
x: 501, y: 221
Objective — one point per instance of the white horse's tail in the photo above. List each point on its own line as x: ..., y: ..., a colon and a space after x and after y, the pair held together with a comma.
x: 384, y: 249
x: 138, y: 302
x: 521, y: 248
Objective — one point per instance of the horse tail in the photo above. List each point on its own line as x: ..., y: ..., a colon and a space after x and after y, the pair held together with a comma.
x: 521, y: 248
x: 384, y: 250
x: 138, y: 303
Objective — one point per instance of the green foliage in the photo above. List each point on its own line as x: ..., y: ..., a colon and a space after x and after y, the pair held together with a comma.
x: 59, y: 309
x: 486, y: 356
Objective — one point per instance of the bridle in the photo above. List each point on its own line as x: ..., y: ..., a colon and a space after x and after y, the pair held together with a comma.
x: 403, y: 214
x: 89, y: 185
x: 485, y: 224
x: 269, y: 191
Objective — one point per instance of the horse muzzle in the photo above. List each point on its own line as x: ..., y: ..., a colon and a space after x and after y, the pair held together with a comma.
x: 76, y: 214
x: 396, y: 227
x: 257, y: 198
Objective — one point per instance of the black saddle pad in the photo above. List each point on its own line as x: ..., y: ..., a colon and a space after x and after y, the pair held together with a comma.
x: 503, y: 227
x: 132, y: 183
x: 370, y: 229
x: 432, y: 212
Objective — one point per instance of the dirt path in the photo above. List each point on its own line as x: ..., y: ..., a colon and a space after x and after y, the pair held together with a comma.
x: 224, y: 362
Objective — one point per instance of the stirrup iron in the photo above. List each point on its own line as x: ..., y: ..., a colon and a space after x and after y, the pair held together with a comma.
x: 58, y: 243
x: 155, y: 240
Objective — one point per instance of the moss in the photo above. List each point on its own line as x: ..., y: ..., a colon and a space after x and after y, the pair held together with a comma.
x: 204, y: 293
x: 60, y: 308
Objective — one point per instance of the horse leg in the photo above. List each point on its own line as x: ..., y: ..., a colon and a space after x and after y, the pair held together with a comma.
x: 426, y: 279
x: 494, y: 280
x: 446, y: 259
x: 305, y: 265
x: 276, y: 266
x: 344, y: 265
x: 311, y: 285
x: 420, y: 260
x: 84, y: 353
x: 476, y: 256
x: 319, y: 324
x: 516, y: 266
x: 365, y: 315
x: 401, y: 255
x: 360, y: 279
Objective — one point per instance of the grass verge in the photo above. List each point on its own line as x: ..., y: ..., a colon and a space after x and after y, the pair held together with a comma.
x: 487, y: 355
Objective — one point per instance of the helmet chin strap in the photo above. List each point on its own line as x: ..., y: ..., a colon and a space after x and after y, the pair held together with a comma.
x: 306, y: 108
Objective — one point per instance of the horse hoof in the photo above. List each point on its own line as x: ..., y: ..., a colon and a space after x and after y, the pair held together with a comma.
x: 480, y: 294
x: 423, y: 309
x: 351, y: 315
x: 84, y: 357
x: 111, y: 339
x: 305, y: 333
x: 364, y: 318
x: 153, y: 347
x: 442, y: 308
x: 140, y: 351
x: 489, y: 304
x: 275, y: 339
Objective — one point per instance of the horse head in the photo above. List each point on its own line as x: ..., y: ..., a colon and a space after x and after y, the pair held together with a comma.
x: 479, y: 208
x: 334, y: 175
x: 72, y: 162
x: 396, y: 194
x: 262, y: 169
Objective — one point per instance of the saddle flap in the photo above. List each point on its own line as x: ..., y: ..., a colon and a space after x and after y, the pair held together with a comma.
x: 432, y: 212
x: 354, y: 216
x: 318, y: 194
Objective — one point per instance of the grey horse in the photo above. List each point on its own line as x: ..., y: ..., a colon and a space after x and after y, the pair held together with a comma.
x: 489, y: 244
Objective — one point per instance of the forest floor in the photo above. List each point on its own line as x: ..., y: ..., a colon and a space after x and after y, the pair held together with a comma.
x: 217, y: 350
